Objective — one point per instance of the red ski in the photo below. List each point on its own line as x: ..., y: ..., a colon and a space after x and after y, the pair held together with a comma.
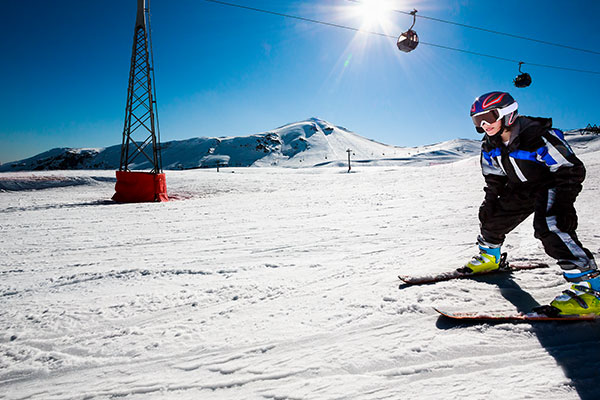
x: 515, y: 317
x: 463, y: 273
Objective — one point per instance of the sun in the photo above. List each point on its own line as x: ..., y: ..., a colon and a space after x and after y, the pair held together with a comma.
x: 374, y: 12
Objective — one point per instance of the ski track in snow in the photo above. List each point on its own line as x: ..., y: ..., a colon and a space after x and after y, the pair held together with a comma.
x: 277, y: 284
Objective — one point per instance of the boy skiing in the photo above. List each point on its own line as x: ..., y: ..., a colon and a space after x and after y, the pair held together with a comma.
x: 528, y: 168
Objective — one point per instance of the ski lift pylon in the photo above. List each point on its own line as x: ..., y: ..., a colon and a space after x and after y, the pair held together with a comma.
x: 523, y: 79
x: 409, y: 40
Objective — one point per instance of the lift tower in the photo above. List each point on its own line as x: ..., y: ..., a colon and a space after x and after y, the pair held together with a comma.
x: 140, y: 148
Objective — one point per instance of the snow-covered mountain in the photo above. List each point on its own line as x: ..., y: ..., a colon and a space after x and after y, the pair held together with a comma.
x: 313, y: 142
x: 310, y: 143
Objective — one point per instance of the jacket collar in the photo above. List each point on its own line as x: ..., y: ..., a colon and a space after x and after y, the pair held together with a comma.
x: 521, y: 124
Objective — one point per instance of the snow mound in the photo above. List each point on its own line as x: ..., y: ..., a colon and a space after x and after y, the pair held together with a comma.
x: 582, y: 141
x: 19, y: 182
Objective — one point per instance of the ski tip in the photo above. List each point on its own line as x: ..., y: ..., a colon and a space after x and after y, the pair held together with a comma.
x: 444, y: 313
x: 452, y: 315
x: 409, y: 280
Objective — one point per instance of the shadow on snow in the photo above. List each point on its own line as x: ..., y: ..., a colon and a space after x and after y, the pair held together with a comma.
x: 575, y: 346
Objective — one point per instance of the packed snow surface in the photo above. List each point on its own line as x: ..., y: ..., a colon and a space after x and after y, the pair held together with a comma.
x: 271, y: 283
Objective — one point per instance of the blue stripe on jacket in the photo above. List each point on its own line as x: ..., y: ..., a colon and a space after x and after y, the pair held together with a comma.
x: 542, y: 152
x: 489, y: 154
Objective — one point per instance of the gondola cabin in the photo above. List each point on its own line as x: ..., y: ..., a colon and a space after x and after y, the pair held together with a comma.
x: 408, y: 41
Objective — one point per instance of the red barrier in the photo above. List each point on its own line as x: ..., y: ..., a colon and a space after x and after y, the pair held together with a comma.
x: 137, y: 187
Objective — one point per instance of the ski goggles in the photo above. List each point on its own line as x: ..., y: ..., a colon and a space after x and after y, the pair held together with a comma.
x: 487, y: 117
x: 491, y: 116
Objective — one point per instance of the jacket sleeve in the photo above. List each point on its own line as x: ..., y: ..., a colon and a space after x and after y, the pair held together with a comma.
x: 494, y: 175
x: 567, y: 170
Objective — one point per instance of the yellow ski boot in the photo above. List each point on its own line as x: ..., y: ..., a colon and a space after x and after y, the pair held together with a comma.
x: 489, y: 259
x: 581, y: 298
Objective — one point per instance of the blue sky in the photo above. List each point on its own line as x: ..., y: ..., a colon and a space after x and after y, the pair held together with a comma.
x: 222, y: 71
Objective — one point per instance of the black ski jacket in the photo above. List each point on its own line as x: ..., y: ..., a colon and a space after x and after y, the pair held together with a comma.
x: 537, y: 158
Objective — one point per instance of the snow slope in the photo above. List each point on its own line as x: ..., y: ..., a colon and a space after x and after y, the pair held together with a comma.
x: 301, y: 144
x: 271, y: 283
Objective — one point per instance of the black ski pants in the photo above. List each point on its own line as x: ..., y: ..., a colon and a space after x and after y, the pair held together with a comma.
x: 509, y: 211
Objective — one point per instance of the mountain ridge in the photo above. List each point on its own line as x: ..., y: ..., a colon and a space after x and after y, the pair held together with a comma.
x: 309, y: 143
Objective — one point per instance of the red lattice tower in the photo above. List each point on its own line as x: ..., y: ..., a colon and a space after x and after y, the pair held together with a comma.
x: 140, y: 148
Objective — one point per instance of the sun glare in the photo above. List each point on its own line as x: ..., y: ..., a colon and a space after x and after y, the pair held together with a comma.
x: 367, y: 16
x: 374, y: 12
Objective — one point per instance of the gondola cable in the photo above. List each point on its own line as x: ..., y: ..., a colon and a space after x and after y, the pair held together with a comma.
x: 394, y: 37
x: 491, y: 31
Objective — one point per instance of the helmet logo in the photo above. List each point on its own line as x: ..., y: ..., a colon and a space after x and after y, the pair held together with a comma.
x: 511, y: 119
x: 492, y: 102
x: 473, y: 108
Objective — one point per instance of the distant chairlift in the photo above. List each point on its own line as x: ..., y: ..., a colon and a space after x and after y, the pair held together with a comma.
x: 523, y: 79
x: 409, y: 40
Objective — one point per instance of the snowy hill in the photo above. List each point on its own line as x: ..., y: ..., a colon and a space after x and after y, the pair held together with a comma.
x: 313, y: 142
x: 583, y: 142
